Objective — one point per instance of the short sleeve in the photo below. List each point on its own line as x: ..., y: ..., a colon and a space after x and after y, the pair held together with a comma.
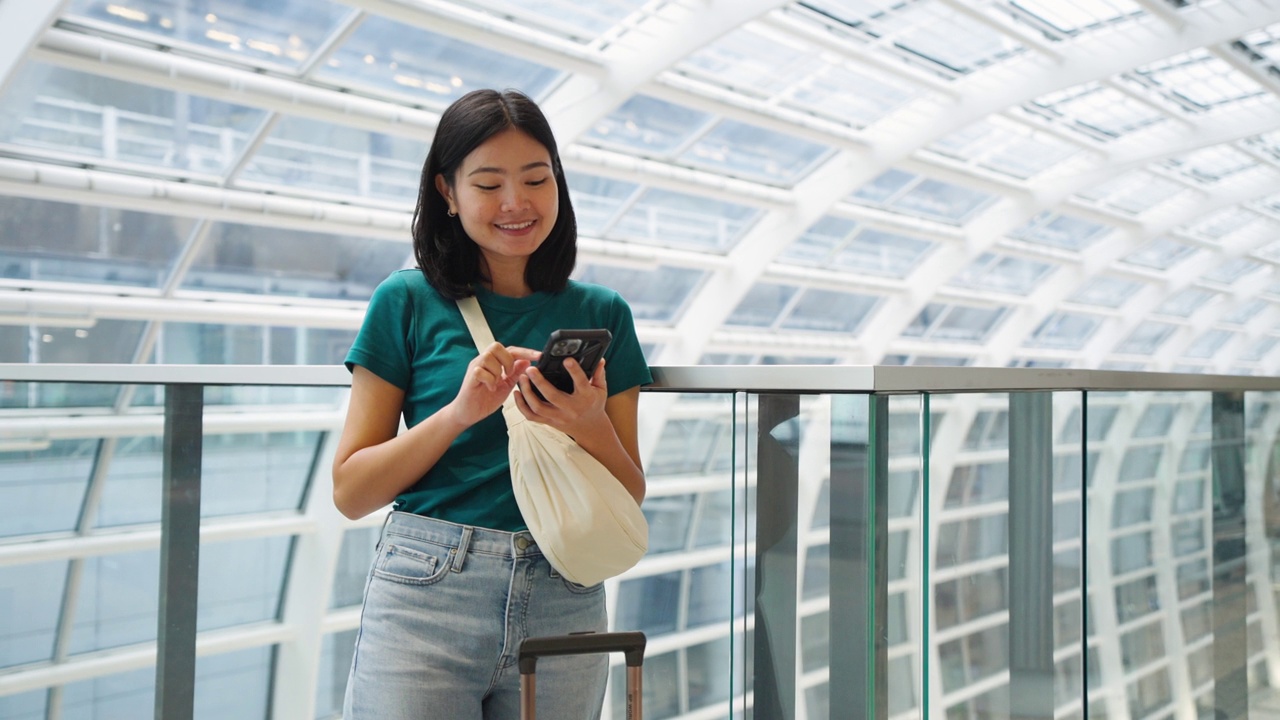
x: 382, y: 345
x: 626, y: 367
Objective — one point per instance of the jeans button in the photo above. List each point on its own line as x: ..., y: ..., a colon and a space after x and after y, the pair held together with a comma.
x: 522, y: 542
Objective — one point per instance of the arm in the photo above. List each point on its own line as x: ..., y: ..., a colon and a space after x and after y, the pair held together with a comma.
x: 373, y: 464
x: 606, y: 427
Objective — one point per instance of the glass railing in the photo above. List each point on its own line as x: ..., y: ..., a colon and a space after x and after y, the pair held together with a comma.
x: 825, y: 542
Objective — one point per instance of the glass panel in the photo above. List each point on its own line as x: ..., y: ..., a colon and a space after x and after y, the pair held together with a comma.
x: 201, y: 343
x: 1106, y: 291
x: 1135, y: 192
x: 354, y: 560
x: 672, y: 219
x: 1097, y: 111
x: 657, y: 295
x: 1065, y: 20
x: 282, y: 33
x: 30, y: 607
x: 242, y: 581
x: 25, y: 706
x: 67, y: 113
x: 1161, y: 254
x: 597, y: 201
x: 648, y: 127
x: 1232, y: 270
x: 829, y: 311
x: 1209, y: 165
x: 426, y: 68
x: 1198, y: 81
x: 875, y: 252
x: 42, y: 240
x: 753, y: 153
x: 1185, y: 302
x: 941, y: 201
x: 1069, y: 331
x: 958, y: 323
x: 42, y: 488
x: 249, y: 473
x: 336, y: 651
x: 256, y: 259
x: 1064, y: 231
x: 1209, y: 343
x: 762, y: 305
x: 1002, y: 273
x: 343, y: 162
x: 582, y: 22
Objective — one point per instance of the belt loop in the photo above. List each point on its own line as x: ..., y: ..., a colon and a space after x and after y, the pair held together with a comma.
x: 382, y: 534
x: 461, y: 552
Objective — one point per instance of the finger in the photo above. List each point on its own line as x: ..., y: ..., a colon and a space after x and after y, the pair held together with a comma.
x: 530, y: 398
x: 580, y: 378
x: 524, y: 353
x: 598, y: 378
x: 499, y: 352
x: 544, y: 386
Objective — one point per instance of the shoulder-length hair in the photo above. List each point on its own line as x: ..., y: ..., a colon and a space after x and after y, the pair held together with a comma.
x: 448, y: 258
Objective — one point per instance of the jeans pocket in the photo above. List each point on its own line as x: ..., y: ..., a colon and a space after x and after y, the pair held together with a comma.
x: 412, y: 566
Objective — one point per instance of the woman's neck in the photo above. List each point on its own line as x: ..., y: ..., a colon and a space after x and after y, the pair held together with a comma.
x: 506, y: 279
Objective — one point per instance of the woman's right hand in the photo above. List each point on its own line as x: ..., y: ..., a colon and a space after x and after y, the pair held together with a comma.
x: 488, y: 381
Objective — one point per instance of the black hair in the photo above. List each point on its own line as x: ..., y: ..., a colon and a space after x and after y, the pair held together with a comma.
x: 448, y: 258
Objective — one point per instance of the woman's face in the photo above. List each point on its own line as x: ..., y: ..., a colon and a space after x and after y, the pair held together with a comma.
x: 506, y: 197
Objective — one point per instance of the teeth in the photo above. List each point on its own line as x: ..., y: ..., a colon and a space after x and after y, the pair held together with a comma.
x: 517, y: 226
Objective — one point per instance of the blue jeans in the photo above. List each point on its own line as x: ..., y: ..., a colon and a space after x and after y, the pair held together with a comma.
x: 445, y: 609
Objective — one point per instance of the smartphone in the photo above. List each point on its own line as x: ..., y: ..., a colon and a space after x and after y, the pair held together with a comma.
x: 584, y: 346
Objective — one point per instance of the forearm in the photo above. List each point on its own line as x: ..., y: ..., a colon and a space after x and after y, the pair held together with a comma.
x: 373, y: 476
x: 604, y: 445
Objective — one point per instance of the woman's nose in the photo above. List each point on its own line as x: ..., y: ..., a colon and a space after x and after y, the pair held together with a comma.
x: 514, y: 199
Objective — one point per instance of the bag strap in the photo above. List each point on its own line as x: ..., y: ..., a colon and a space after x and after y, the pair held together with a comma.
x: 483, y: 337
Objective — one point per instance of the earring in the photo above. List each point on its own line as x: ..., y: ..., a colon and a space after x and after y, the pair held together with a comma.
x: 451, y: 213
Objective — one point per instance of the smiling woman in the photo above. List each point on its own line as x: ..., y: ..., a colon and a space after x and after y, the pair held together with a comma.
x: 494, y: 221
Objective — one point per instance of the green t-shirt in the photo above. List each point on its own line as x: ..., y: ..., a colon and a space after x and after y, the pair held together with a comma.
x: 416, y: 339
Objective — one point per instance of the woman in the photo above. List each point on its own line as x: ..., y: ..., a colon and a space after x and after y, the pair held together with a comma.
x: 457, y: 581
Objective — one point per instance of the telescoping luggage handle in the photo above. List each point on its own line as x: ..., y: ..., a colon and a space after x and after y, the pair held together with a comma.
x: 630, y: 643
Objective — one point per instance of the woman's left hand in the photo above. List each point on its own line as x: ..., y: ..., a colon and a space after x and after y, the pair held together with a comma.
x: 571, y: 413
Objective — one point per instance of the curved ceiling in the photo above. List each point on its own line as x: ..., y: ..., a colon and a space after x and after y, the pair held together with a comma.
x: 1091, y: 184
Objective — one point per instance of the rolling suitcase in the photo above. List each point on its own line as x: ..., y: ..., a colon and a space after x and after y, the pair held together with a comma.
x: 629, y: 643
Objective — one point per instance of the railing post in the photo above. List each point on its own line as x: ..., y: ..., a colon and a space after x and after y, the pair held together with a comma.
x: 179, y: 552
x: 1031, y: 669
x: 777, y: 483
x: 859, y: 558
x: 1230, y: 591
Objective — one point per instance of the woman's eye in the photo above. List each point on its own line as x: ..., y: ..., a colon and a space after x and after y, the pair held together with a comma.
x: 487, y: 187
x: 536, y: 183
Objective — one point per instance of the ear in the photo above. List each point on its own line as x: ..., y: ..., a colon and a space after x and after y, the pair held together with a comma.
x: 445, y: 191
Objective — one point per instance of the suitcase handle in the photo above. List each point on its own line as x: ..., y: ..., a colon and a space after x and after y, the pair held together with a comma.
x: 630, y: 643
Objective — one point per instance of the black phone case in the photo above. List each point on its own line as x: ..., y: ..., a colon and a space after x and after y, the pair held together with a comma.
x: 551, y: 364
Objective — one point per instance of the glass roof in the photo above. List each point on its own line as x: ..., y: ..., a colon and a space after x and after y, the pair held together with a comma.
x: 925, y: 182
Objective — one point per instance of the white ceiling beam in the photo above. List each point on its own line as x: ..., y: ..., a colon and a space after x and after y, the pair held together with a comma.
x: 23, y: 21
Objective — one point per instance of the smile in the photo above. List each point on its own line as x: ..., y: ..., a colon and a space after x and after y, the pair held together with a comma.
x: 516, y: 226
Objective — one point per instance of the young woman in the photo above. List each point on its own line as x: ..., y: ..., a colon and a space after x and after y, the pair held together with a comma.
x: 457, y: 581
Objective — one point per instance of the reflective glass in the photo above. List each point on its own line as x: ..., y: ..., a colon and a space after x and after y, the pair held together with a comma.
x: 1007, y: 148
x: 763, y: 304
x: 941, y: 201
x: 1246, y: 311
x: 648, y: 126
x: 1100, y: 112
x: 1185, y: 302
x: 754, y: 153
x: 273, y: 261
x: 1146, y: 338
x: 885, y: 186
x: 203, y: 343
x: 829, y: 311
x: 580, y: 21
x: 876, y: 252
x: 1198, y: 80
x: 1233, y: 269
x: 1161, y: 254
x: 1106, y: 291
x: 1002, y: 273
x: 30, y: 607
x: 674, y: 219
x: 29, y: 705
x: 75, y: 115
x: 1208, y: 344
x: 1135, y: 192
x: 279, y: 32
x: 1068, y: 19
x: 598, y: 201
x: 354, y: 560
x: 1064, y: 231
x: 935, y: 34
x: 1209, y: 165
x: 43, y: 240
x: 657, y: 295
x: 244, y: 473
x: 1068, y: 331
x: 42, y: 487
x: 958, y: 323
x: 426, y: 69
x: 1220, y: 224
x: 336, y: 651
x: 1258, y: 349
x: 341, y: 161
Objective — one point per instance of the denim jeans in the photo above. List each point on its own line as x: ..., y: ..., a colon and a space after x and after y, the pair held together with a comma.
x: 445, y: 609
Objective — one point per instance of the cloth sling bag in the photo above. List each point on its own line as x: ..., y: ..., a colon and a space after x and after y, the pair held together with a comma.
x: 588, y: 526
